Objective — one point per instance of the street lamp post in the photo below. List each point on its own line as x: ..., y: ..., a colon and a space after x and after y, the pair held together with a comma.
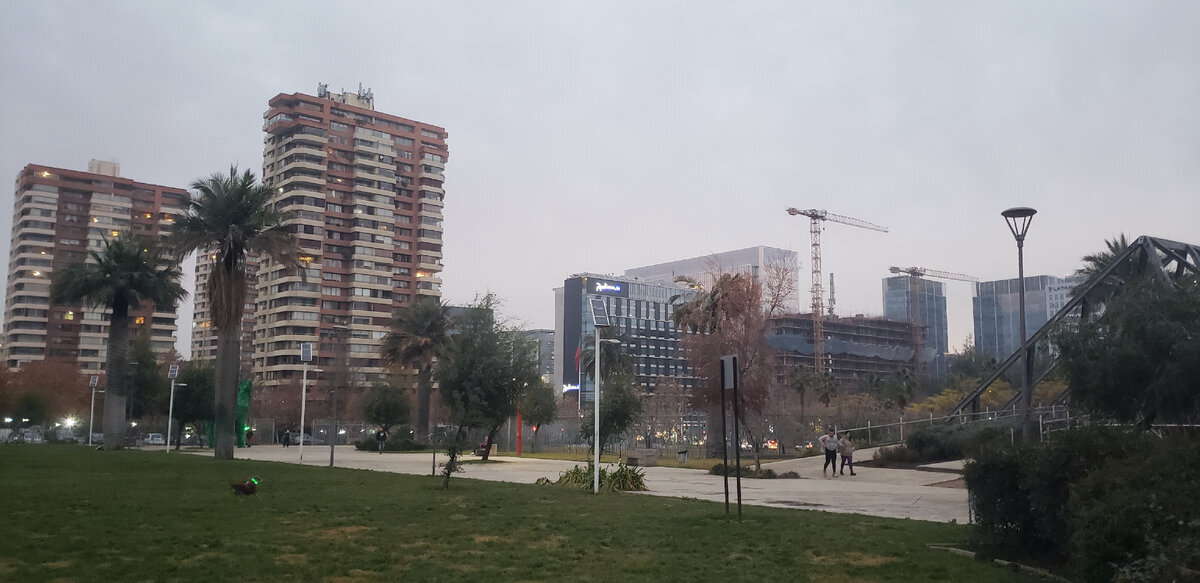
x: 172, y: 373
x: 596, y: 417
x: 93, y: 382
x: 1018, y: 219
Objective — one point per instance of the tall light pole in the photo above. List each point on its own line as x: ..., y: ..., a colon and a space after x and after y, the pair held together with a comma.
x: 172, y: 373
x: 1018, y: 219
x: 600, y: 320
x: 596, y: 418
x: 305, y: 357
x: 92, y: 382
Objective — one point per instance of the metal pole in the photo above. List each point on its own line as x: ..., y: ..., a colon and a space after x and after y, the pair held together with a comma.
x: 596, y: 421
x: 91, y: 415
x: 725, y: 445
x: 303, y: 399
x: 737, y: 439
x: 333, y: 439
x: 170, y: 413
x: 1026, y: 385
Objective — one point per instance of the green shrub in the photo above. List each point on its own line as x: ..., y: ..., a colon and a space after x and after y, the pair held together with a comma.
x: 392, y: 444
x: 749, y: 472
x: 942, y: 443
x: 623, y: 479
x: 1113, y: 502
x: 791, y: 475
x: 1138, y: 516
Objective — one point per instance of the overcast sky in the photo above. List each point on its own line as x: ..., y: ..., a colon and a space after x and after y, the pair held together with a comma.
x: 600, y: 136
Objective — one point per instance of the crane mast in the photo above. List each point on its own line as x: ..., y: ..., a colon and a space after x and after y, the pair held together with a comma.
x: 816, y: 216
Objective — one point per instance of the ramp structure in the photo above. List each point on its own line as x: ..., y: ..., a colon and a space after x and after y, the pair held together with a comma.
x: 1169, y: 262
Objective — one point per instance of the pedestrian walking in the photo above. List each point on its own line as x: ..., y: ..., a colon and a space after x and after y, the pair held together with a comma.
x: 381, y: 437
x: 829, y: 442
x: 286, y: 439
x: 846, y: 448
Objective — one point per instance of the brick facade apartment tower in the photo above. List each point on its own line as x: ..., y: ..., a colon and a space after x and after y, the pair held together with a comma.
x: 58, y: 216
x: 365, y: 189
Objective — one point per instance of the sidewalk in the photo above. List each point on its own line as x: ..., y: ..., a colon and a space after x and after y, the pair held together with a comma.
x: 883, y: 492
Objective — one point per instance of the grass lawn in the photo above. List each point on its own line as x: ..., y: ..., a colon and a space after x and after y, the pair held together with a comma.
x: 74, y: 514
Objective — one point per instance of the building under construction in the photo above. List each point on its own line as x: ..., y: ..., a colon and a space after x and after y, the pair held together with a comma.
x: 854, y: 347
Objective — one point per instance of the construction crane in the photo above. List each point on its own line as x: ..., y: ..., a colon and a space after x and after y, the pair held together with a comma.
x: 915, y: 317
x: 818, y: 313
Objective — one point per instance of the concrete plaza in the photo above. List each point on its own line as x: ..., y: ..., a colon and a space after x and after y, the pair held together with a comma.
x: 922, y: 494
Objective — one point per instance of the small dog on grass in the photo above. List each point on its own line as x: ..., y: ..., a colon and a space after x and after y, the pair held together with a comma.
x: 247, y: 488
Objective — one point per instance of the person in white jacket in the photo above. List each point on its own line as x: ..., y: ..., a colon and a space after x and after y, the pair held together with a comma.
x: 829, y: 443
x: 846, y: 448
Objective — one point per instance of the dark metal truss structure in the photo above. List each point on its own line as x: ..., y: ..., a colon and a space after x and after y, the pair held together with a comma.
x: 1167, y: 261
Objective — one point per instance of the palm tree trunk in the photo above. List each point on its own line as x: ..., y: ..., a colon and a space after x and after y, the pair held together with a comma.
x: 424, y: 392
x: 229, y: 348
x: 117, y: 373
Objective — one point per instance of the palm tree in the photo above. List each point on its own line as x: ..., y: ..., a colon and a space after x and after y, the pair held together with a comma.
x: 123, y: 273
x: 612, y: 359
x: 231, y: 217
x: 1098, y: 262
x: 419, y: 334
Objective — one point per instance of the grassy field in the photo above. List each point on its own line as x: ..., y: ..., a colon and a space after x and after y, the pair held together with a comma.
x: 73, y: 514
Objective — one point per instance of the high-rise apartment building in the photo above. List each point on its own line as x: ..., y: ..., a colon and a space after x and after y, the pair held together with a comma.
x: 58, y: 216
x: 365, y: 191
x: 930, y: 304
x: 997, y: 308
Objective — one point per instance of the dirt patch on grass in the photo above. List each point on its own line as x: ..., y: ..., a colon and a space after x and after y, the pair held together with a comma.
x: 863, y: 560
x: 200, y: 558
x: 343, y: 531
x: 481, y: 538
x: 290, y: 559
x: 549, y: 543
x: 356, y: 575
x: 57, y: 565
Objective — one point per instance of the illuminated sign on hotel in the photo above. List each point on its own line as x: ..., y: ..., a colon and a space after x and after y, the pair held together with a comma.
x: 607, y: 287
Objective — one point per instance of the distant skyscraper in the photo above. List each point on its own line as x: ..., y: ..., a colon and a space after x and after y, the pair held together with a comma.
x: 997, y: 307
x: 365, y: 190
x: 931, y: 303
x: 58, y: 216
x: 753, y: 261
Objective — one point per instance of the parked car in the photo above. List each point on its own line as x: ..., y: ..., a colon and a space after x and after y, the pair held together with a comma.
x: 154, y: 439
x: 294, y: 439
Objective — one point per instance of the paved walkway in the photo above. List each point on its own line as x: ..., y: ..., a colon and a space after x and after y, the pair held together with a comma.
x: 884, y: 492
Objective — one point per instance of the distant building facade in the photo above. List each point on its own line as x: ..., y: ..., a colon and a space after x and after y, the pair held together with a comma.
x: 60, y: 215
x: 545, y: 352
x: 855, y: 347
x: 640, y: 312
x: 997, y: 306
x: 757, y: 262
x: 930, y: 303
